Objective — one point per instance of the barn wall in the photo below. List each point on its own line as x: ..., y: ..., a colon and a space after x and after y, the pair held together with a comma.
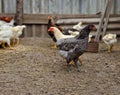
x: 59, y: 6
x: 36, y: 12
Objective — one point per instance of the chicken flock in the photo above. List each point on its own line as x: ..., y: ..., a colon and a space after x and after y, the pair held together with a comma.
x: 72, y: 42
x: 9, y: 34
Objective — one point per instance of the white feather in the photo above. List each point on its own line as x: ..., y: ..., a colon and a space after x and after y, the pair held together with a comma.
x: 109, y: 39
x: 59, y: 35
x: 78, y: 26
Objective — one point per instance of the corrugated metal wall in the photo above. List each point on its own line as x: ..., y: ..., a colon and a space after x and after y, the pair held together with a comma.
x: 59, y: 6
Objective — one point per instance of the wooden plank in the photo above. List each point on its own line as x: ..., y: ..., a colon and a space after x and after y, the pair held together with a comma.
x: 114, y: 26
x: 43, y: 31
x: 38, y: 30
x: 42, y: 18
x: 33, y: 30
x: 86, y: 20
x: 29, y: 31
x: 25, y: 32
x: 38, y: 18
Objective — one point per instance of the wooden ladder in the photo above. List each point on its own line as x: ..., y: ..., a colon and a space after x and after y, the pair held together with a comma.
x: 104, y: 20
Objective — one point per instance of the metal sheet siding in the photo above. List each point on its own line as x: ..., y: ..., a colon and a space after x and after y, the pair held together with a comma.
x: 59, y: 6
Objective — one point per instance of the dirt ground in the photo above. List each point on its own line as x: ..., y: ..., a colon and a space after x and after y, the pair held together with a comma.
x: 33, y: 68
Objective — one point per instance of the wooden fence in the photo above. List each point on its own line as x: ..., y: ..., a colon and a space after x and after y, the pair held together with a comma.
x: 37, y: 23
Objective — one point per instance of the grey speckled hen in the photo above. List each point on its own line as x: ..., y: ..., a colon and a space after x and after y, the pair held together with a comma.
x: 72, y: 48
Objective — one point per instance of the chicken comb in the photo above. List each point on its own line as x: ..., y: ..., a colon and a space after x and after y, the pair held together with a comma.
x: 49, y: 17
x: 50, y: 29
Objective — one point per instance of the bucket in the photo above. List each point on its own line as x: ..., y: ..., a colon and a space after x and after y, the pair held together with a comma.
x: 93, y: 47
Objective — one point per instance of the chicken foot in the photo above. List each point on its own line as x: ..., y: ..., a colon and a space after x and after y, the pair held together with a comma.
x: 10, y: 47
x: 68, y: 65
x: 110, y: 48
x: 76, y: 64
x: 54, y: 46
x: 3, y: 45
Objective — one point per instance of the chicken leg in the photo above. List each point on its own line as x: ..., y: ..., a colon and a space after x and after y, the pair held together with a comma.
x: 111, y: 47
x: 79, y: 59
x: 68, y: 65
x: 18, y: 41
x: 76, y: 64
x: 3, y: 45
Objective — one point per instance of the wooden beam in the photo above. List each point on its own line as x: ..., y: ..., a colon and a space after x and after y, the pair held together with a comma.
x: 109, y: 7
x: 19, y: 11
x: 101, y: 23
x: 104, y: 20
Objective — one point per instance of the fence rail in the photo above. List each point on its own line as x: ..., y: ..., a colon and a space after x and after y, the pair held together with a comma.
x: 37, y: 23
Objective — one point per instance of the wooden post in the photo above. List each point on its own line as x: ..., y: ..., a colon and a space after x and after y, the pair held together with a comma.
x: 104, y: 20
x: 19, y: 11
x: 101, y: 23
x: 107, y: 17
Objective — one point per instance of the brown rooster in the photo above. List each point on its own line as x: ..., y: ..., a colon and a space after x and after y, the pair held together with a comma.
x: 6, y: 19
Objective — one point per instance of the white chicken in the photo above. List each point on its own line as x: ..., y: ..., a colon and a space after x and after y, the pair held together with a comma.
x: 11, y: 33
x: 77, y: 33
x: 5, y: 36
x: 110, y: 40
x: 58, y: 34
x: 3, y: 23
x: 17, y: 31
x: 78, y: 26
